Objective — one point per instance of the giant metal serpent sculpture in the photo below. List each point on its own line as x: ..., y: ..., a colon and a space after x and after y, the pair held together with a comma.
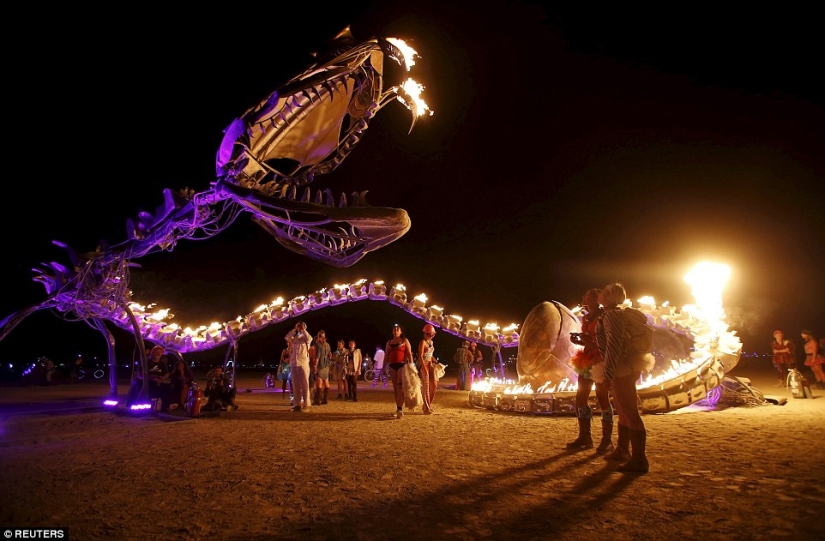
x: 306, y: 128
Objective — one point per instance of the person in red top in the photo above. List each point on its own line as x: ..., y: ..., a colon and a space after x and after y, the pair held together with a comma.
x: 583, y: 361
x: 783, y: 356
x: 398, y: 352
x: 813, y: 358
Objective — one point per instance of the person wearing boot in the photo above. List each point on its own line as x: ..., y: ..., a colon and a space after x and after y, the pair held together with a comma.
x: 339, y: 365
x: 583, y: 361
x: 320, y: 360
x: 621, y: 370
x: 353, y: 371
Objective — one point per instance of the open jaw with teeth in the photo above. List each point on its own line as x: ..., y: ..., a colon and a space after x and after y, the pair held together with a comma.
x: 307, y: 128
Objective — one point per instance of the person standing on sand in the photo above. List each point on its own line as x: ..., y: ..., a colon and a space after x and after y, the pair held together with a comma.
x: 378, y: 367
x: 477, y: 364
x: 621, y: 372
x: 300, y: 341
x: 399, y: 353
x: 284, y: 374
x: 463, y: 358
x: 813, y: 358
x: 784, y: 357
x: 583, y: 362
x: 429, y: 383
x: 339, y: 363
x: 354, y: 360
x: 321, y: 362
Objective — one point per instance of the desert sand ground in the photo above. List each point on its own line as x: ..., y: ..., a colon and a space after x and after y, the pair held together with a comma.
x: 352, y: 471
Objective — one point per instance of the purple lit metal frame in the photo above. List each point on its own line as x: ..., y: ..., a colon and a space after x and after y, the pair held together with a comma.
x: 304, y: 129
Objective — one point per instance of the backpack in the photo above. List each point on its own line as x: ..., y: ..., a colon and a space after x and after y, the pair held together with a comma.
x: 638, y: 333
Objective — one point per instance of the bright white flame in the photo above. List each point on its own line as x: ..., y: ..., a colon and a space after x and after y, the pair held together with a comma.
x: 707, y: 281
x: 412, y: 88
x: 407, y: 52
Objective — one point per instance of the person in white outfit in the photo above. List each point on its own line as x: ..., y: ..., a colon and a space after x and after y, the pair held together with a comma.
x: 378, y: 367
x: 300, y: 340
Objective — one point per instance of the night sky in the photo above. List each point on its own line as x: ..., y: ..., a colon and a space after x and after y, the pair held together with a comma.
x: 566, y: 151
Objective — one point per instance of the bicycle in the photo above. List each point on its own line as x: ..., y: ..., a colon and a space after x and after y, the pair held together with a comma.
x: 76, y: 375
x: 369, y: 373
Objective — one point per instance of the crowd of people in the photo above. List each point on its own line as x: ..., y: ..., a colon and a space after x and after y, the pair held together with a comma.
x: 606, y: 363
x: 308, y: 364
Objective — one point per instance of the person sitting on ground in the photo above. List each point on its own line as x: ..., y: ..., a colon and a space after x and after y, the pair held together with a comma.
x: 220, y: 395
x: 159, y: 380
x: 181, y: 377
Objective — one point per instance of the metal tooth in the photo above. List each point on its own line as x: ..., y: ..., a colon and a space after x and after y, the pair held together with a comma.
x: 306, y: 196
x: 319, y: 198
x: 356, y: 199
x: 284, y: 188
x: 293, y: 192
x: 328, y: 199
x: 342, y: 203
x: 342, y: 240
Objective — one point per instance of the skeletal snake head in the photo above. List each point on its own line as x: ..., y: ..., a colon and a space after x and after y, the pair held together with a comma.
x: 307, y: 128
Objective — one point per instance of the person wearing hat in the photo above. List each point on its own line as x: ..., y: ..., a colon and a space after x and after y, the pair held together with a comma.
x: 429, y: 382
x: 813, y: 358
x: 783, y: 356
x: 463, y: 358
